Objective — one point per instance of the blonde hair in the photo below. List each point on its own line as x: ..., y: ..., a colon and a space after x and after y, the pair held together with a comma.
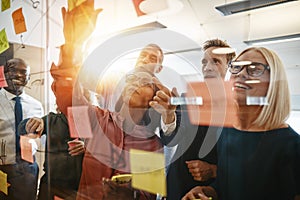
x: 277, y: 111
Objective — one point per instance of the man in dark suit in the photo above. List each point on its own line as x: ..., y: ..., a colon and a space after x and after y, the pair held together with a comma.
x: 187, y: 168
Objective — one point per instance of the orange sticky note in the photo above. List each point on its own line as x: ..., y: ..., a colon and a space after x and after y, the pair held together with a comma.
x: 79, y: 122
x: 3, y: 182
x: 3, y: 82
x: 19, y: 21
x: 26, y: 149
x: 74, y: 3
x: 4, y: 45
x: 5, y: 4
x: 136, y: 4
x: 218, y: 108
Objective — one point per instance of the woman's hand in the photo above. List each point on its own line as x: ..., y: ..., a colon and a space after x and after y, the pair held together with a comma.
x: 76, y: 147
x: 34, y: 127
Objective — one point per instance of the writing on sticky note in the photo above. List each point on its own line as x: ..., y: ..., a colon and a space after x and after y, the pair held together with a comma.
x: 3, y: 182
x: 26, y: 148
x: 148, y: 171
x: 19, y: 21
x: 79, y: 122
x: 4, y: 45
x: 5, y: 4
x: 3, y: 82
x: 74, y: 3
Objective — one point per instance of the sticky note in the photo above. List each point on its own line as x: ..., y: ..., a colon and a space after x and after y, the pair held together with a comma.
x: 5, y: 4
x: 136, y: 4
x: 217, y: 108
x: 3, y: 182
x: 19, y: 21
x: 4, y: 45
x: 26, y: 148
x: 3, y: 82
x: 148, y: 171
x: 74, y: 3
x: 79, y: 122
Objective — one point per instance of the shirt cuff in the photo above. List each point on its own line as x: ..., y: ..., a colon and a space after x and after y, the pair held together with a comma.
x: 168, y: 128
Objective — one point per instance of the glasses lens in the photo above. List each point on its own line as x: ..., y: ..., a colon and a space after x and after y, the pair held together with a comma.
x: 255, y: 69
x: 234, y: 69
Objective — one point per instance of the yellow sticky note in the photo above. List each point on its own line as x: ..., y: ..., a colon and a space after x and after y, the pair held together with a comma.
x: 3, y: 41
x: 74, y: 3
x: 19, y: 21
x: 5, y: 4
x: 26, y: 148
x: 148, y: 171
x: 3, y: 182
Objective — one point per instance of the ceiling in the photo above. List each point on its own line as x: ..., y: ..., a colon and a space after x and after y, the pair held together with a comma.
x: 196, y: 21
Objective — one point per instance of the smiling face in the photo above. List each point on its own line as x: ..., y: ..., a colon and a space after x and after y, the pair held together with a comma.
x: 150, y: 59
x: 17, y: 75
x: 249, y: 86
x: 214, y: 65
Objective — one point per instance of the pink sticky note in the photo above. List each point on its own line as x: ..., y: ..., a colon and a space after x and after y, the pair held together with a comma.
x: 26, y: 149
x: 3, y: 82
x: 79, y: 122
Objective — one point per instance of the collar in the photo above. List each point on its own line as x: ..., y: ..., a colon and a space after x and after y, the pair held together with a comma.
x: 10, y: 95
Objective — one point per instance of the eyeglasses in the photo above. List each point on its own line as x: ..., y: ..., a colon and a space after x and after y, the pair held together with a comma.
x: 253, y: 69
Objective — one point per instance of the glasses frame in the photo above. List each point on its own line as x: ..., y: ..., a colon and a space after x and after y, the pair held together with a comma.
x: 266, y: 67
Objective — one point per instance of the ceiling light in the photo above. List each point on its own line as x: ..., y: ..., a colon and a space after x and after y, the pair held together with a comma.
x: 246, y: 5
x: 160, y: 7
x: 273, y: 40
x: 151, y: 6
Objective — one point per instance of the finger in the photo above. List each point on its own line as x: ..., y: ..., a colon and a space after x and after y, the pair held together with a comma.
x: 40, y: 128
x: 63, y: 12
x: 195, y: 170
x: 164, y: 103
x: 174, y: 92
x: 156, y: 106
x: 189, y: 196
x: 192, y: 164
x: 162, y: 95
x: 98, y: 11
x: 32, y: 125
x: 203, y: 197
x: 197, y: 175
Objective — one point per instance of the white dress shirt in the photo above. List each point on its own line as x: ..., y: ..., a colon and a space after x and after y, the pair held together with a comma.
x: 30, y: 107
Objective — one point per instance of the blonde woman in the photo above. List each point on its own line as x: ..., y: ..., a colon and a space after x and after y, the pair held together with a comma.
x: 259, y: 157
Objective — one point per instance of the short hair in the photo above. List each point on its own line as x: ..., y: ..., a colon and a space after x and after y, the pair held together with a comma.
x: 218, y: 43
x: 278, y: 95
x: 13, y: 63
x: 154, y: 46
